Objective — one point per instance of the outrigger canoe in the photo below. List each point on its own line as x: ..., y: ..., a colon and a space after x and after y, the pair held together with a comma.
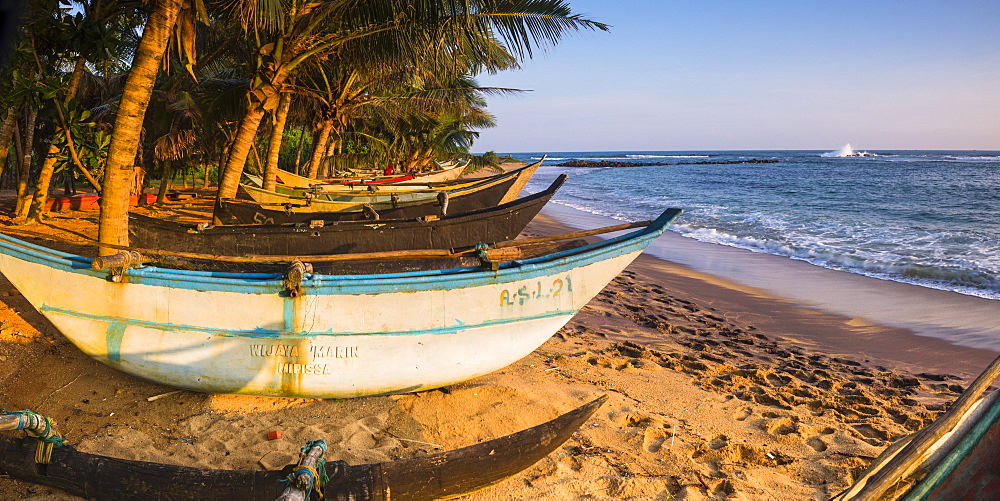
x: 957, y: 457
x: 448, y: 173
x: 514, y: 181
x: 439, y: 476
x: 371, y: 192
x: 305, y: 334
x: 489, y: 193
x: 495, y: 224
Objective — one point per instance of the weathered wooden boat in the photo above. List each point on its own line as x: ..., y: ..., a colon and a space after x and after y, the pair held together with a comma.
x: 450, y: 172
x: 494, y: 224
x: 439, y: 476
x: 957, y: 457
x: 368, y: 193
x: 305, y: 334
x: 489, y: 191
x: 292, y: 179
x: 371, y: 194
x: 247, y: 211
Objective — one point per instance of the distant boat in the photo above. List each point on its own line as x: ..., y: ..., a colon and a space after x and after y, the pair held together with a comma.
x: 443, y: 475
x: 310, y: 335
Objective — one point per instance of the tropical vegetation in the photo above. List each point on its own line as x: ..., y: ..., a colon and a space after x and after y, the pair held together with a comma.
x: 115, y: 94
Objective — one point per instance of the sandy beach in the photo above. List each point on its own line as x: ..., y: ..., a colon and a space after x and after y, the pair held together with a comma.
x: 719, y: 388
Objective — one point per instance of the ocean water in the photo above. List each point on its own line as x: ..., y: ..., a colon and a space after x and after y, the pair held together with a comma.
x: 930, y: 218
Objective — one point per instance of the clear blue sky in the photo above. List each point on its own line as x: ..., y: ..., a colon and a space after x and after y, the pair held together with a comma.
x: 730, y: 75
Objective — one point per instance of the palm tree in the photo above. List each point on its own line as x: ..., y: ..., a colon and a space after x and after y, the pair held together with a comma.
x: 89, y: 35
x: 163, y: 17
x: 392, y: 31
x: 274, y: 144
x: 290, y: 39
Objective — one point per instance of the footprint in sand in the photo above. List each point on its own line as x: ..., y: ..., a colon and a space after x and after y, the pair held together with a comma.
x: 743, y: 414
x: 871, y: 434
x: 783, y: 426
x: 817, y: 444
x: 653, y: 439
x: 718, y: 442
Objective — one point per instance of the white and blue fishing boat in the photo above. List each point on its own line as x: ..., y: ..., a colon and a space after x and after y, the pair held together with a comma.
x: 306, y: 334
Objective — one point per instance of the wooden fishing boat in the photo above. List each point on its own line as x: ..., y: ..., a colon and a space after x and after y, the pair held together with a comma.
x: 957, y: 457
x: 439, y: 476
x: 502, y: 188
x: 305, y: 334
x: 369, y: 193
x: 446, y: 173
x: 487, y: 194
x: 495, y: 224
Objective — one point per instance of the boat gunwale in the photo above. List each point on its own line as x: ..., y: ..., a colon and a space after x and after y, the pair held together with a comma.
x: 319, y: 284
x: 925, y: 488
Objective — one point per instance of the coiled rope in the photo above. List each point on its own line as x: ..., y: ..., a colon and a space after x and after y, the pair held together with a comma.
x: 317, y: 476
x: 42, y: 427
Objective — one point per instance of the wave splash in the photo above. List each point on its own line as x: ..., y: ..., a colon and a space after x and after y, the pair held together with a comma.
x: 847, y: 151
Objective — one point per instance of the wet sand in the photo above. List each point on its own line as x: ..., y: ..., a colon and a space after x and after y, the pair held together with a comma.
x: 719, y: 389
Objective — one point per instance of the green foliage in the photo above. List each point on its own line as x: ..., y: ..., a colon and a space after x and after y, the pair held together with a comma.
x: 290, y: 146
x: 486, y: 160
x: 90, y: 142
x: 393, y: 76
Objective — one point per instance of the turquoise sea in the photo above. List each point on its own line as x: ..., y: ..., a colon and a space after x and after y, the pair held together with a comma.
x: 930, y: 218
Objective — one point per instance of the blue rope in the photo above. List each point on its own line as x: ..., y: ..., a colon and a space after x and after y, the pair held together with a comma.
x: 47, y: 435
x: 481, y: 249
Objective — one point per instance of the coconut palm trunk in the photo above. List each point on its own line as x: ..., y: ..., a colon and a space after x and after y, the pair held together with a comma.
x: 274, y: 146
x: 165, y: 180
x: 25, y: 166
x: 36, y: 210
x: 128, y: 124
x: 298, y: 150
x: 6, y: 133
x: 239, y: 151
x: 319, y: 149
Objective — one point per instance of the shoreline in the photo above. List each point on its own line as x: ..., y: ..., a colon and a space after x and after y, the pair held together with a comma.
x: 717, y: 390
x: 926, y: 320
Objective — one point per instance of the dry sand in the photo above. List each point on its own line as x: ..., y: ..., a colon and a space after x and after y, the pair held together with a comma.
x: 717, y: 391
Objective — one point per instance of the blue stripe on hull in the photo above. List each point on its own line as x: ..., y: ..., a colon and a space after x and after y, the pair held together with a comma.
x: 117, y: 325
x: 261, y: 283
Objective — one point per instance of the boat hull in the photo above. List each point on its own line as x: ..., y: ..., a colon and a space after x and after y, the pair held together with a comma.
x: 339, y: 336
x: 496, y: 190
x: 270, y: 209
x: 496, y: 224
x: 390, y: 183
